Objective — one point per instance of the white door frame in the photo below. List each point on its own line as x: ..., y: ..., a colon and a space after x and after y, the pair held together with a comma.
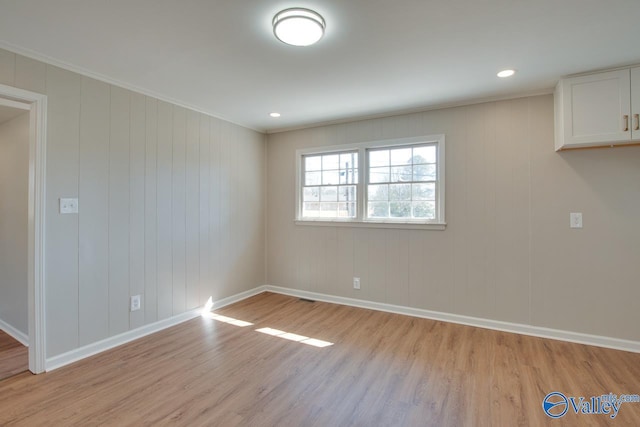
x: 37, y: 187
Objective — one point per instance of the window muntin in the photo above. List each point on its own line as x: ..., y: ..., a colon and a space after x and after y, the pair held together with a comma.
x: 402, y: 182
x: 329, y: 185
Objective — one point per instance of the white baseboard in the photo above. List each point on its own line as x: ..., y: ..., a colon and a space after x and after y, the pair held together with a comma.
x: 239, y: 297
x: 536, y: 331
x: 111, y: 342
x: 14, y: 333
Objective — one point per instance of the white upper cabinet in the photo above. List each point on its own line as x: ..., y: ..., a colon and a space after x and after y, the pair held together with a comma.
x: 598, y: 109
x: 635, y: 104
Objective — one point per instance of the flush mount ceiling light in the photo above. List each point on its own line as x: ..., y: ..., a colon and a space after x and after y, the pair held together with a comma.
x: 298, y: 26
x: 274, y: 115
x: 506, y: 73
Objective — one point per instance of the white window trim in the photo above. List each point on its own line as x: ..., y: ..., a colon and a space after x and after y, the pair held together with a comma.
x: 360, y: 220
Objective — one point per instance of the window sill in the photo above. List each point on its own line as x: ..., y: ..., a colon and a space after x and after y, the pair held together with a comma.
x: 372, y: 224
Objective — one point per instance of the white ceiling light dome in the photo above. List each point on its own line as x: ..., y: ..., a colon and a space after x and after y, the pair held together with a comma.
x: 298, y: 26
x: 506, y: 73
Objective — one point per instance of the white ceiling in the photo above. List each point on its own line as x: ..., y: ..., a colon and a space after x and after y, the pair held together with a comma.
x: 377, y: 56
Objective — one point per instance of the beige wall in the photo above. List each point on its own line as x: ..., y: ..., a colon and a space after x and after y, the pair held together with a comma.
x: 14, y: 210
x: 171, y: 206
x: 507, y: 253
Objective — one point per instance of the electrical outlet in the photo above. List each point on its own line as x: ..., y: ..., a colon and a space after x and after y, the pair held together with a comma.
x: 356, y: 283
x: 575, y: 219
x: 135, y: 303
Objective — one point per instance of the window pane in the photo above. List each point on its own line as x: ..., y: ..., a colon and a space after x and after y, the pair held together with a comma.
x: 310, y: 209
x: 331, y: 161
x: 330, y: 177
x: 351, y: 209
x: 378, y: 175
x: 378, y: 158
x: 311, y: 194
x: 347, y: 193
x: 424, y: 191
x: 400, y: 209
x: 329, y: 206
x: 400, y: 192
x: 424, y: 154
x: 379, y: 192
x: 312, y: 163
x: 329, y: 194
x: 348, y: 160
x: 426, y: 210
x: 424, y: 173
x: 312, y: 178
x: 401, y: 156
x: 378, y: 210
x: 346, y: 210
x: 400, y: 174
x: 348, y: 176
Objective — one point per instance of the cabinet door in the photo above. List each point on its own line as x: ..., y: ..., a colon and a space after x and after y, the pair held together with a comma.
x: 635, y: 104
x: 597, y: 109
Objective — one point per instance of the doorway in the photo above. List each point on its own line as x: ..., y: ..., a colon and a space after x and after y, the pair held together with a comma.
x: 29, y: 109
x: 14, y: 213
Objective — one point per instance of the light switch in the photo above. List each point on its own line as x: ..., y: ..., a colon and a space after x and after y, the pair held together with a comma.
x: 575, y: 219
x: 68, y: 206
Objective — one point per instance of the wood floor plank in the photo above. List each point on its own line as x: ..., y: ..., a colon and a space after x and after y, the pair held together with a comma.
x: 14, y: 357
x: 383, y: 369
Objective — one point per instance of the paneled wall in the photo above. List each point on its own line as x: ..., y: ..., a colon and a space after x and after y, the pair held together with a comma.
x: 14, y: 211
x: 507, y: 252
x: 171, y: 205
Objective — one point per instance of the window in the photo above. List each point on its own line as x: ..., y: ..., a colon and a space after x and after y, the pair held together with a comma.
x: 379, y: 183
x: 402, y: 182
x: 329, y: 185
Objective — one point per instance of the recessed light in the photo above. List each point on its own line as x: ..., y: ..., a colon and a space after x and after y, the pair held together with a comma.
x: 274, y: 115
x: 506, y: 73
x: 298, y: 26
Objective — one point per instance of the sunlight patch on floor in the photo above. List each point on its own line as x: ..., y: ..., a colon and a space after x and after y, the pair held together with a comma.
x: 294, y: 337
x: 208, y: 314
x: 225, y: 319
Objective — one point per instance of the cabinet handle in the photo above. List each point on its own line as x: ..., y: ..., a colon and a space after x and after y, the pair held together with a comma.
x: 626, y: 123
x: 636, y: 117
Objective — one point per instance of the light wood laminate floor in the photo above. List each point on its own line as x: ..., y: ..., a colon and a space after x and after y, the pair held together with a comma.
x: 14, y: 357
x: 382, y: 370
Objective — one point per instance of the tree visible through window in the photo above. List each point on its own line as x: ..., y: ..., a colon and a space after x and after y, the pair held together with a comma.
x: 402, y: 182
